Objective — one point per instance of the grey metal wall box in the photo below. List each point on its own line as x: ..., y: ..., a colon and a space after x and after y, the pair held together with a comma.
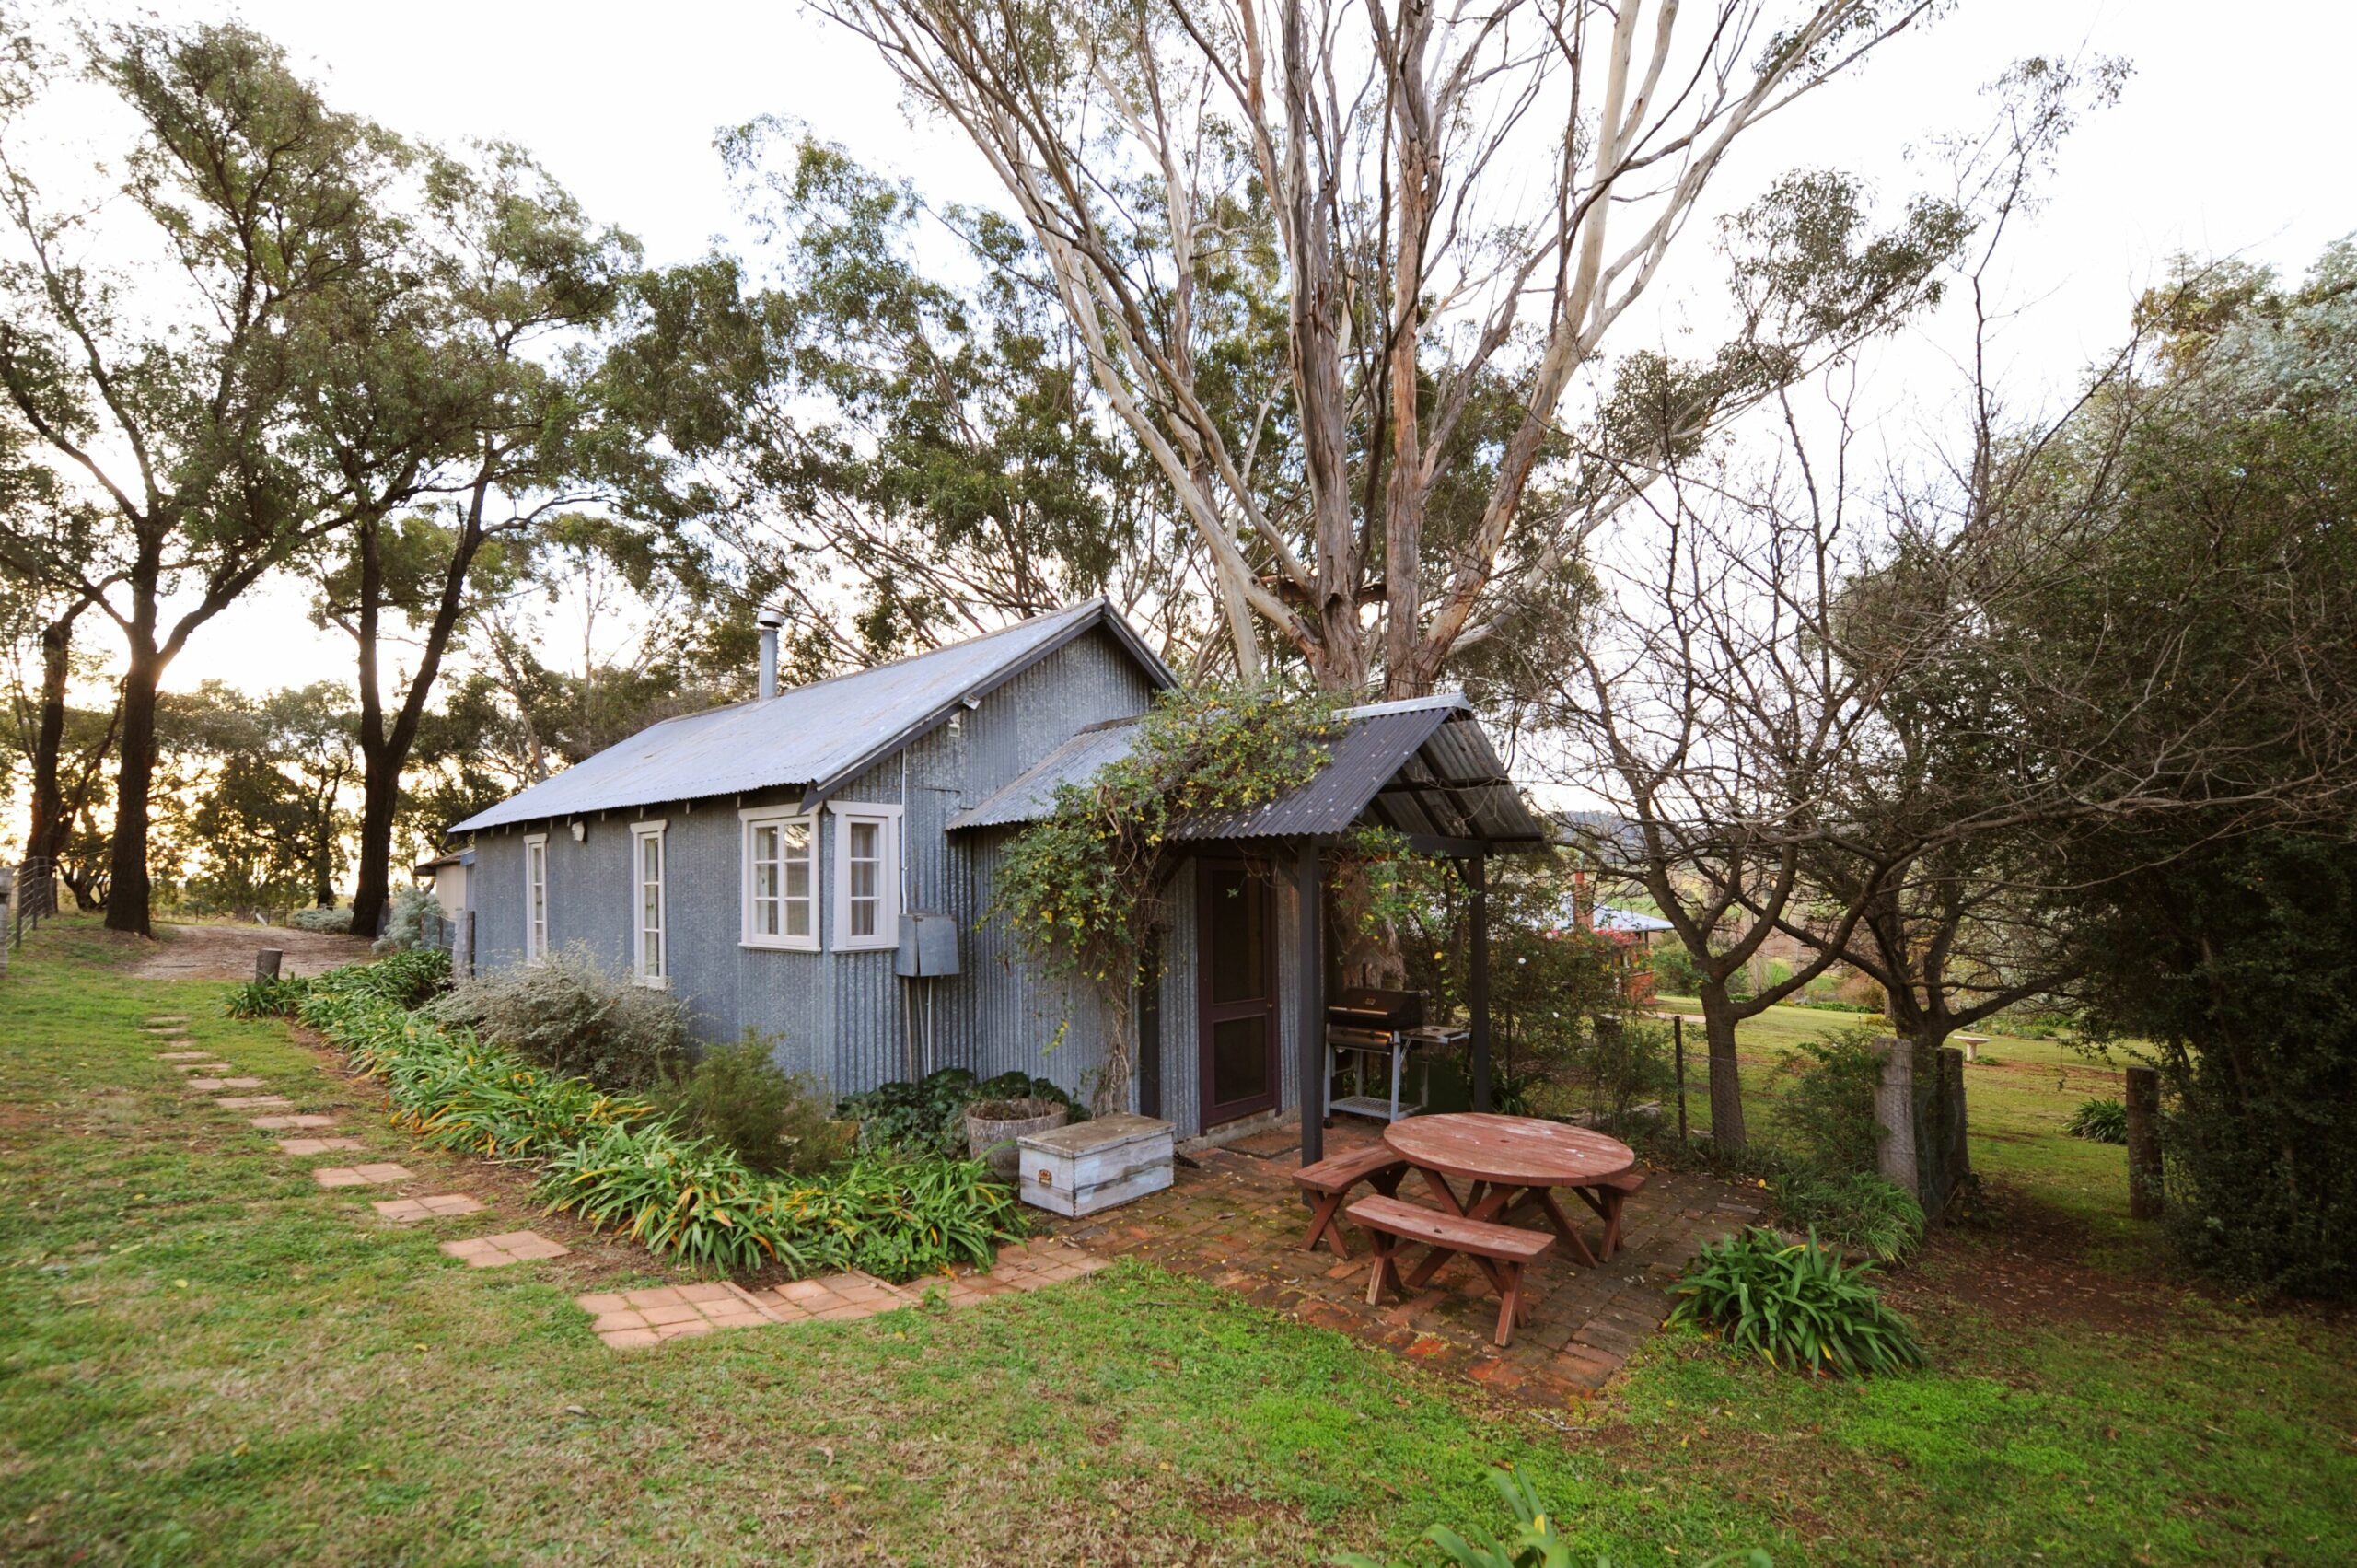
x: 928, y: 946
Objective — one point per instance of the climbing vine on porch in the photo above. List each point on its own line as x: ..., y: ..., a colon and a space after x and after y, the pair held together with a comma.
x: 1082, y: 891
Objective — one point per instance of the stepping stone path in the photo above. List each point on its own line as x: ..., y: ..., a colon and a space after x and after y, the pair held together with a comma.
x: 636, y: 1317
x: 205, y: 1067
x: 182, y: 1055
x: 359, y: 1174
x: 408, y: 1209
x: 251, y: 1102
x: 288, y: 1124
x: 314, y: 1146
x: 164, y: 1019
x: 209, y: 1085
x: 671, y: 1312
x: 498, y: 1251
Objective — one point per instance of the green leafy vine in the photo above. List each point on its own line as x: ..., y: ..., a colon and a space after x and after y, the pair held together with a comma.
x: 1082, y: 889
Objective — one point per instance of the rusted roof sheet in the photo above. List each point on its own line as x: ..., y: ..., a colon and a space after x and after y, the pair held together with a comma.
x: 1422, y: 766
x: 821, y: 735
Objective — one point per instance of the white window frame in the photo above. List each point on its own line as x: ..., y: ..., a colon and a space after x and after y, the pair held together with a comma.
x: 536, y: 898
x: 887, y: 876
x: 659, y: 977
x: 782, y: 818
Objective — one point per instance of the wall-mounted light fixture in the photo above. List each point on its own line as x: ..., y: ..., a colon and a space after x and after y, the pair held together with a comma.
x: 580, y: 829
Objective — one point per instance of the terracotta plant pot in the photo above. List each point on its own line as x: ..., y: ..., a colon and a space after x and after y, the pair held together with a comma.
x: 993, y: 1125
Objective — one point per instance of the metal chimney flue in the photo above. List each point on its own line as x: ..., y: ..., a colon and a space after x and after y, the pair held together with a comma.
x: 769, y: 620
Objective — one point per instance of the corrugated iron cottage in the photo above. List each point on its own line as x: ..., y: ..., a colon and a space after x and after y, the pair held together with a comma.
x: 816, y: 865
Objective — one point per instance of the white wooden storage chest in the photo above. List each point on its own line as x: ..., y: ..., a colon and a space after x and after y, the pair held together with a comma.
x: 1096, y: 1165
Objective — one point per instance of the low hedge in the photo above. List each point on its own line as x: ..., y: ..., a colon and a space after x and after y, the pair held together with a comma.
x: 619, y: 1165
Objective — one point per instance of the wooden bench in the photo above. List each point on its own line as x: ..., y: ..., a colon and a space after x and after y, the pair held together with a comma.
x: 1330, y: 1182
x: 1606, y: 1198
x: 1501, y: 1251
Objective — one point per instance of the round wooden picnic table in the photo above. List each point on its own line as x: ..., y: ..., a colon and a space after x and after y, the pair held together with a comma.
x: 1510, y: 1160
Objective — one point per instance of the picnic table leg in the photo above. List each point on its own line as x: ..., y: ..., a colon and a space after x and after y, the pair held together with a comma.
x: 1569, y: 1232
x: 1509, y: 1306
x: 1326, y: 1227
x: 1484, y: 1202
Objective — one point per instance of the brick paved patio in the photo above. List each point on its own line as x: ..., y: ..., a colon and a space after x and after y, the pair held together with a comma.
x: 1237, y: 1221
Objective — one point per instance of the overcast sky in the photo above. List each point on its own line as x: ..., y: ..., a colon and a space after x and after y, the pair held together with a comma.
x: 2232, y: 138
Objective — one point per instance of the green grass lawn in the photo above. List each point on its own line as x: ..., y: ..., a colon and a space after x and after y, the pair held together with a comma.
x: 203, y: 1358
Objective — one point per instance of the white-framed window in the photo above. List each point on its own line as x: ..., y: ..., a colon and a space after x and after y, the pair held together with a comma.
x: 781, y: 894
x: 536, y: 897
x: 651, y: 948
x: 868, y: 875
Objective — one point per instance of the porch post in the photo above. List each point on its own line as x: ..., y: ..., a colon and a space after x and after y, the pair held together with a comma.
x: 1310, y: 1040
x: 1478, y: 999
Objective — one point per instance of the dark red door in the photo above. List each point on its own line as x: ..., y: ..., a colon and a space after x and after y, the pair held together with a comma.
x: 1237, y: 914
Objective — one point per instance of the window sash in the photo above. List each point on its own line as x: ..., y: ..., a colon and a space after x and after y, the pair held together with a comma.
x: 866, y: 876
x: 536, y: 898
x: 648, y: 862
x: 781, y: 874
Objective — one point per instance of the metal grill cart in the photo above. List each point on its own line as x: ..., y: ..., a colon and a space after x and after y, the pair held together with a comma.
x: 1387, y: 1029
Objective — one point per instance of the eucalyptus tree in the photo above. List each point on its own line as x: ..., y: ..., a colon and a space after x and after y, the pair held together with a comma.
x: 884, y: 424
x: 1440, y: 213
x: 163, y: 383
x: 450, y: 398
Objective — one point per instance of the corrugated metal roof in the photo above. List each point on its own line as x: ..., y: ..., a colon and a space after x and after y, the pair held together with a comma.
x: 821, y: 735
x: 1422, y: 766
x: 1033, y: 795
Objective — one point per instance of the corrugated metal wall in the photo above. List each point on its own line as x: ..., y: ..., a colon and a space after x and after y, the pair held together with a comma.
x: 842, y: 1016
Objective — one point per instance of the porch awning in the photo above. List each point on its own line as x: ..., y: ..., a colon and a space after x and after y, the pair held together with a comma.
x: 1423, y: 767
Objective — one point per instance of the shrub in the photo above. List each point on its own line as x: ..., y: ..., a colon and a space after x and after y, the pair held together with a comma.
x: 265, y: 998
x: 898, y: 1218
x: 1674, y: 969
x: 1536, y: 1542
x: 1797, y: 1305
x: 681, y: 1196
x: 1624, y: 1061
x: 929, y: 1118
x: 572, y: 1017
x: 1855, y: 1210
x: 1827, y: 1110
x: 415, y: 912
x: 773, y: 1120
x: 2099, y: 1122
x: 615, y: 1163
x: 323, y: 918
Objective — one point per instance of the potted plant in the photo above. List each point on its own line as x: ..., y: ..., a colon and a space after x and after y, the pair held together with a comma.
x: 993, y: 1125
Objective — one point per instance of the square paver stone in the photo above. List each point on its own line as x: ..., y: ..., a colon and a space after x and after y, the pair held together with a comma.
x: 498, y: 1251
x: 289, y: 1123
x: 316, y: 1145
x: 208, y: 1085
x: 181, y: 1055
x: 208, y: 1069
x: 251, y: 1102
x: 358, y: 1175
x: 408, y: 1209
x: 161, y: 1019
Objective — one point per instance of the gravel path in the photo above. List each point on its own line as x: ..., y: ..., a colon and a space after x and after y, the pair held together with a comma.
x: 226, y: 952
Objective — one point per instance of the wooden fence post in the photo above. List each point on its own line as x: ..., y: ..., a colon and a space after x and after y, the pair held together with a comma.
x: 2144, y: 1202
x: 266, y: 962
x: 462, y: 947
x: 1678, y: 1034
x: 8, y: 923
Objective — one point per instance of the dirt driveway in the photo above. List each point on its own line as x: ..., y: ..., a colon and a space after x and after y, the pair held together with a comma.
x: 226, y: 952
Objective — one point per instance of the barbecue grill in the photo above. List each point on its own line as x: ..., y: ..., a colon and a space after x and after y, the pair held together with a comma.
x: 1364, y: 1022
